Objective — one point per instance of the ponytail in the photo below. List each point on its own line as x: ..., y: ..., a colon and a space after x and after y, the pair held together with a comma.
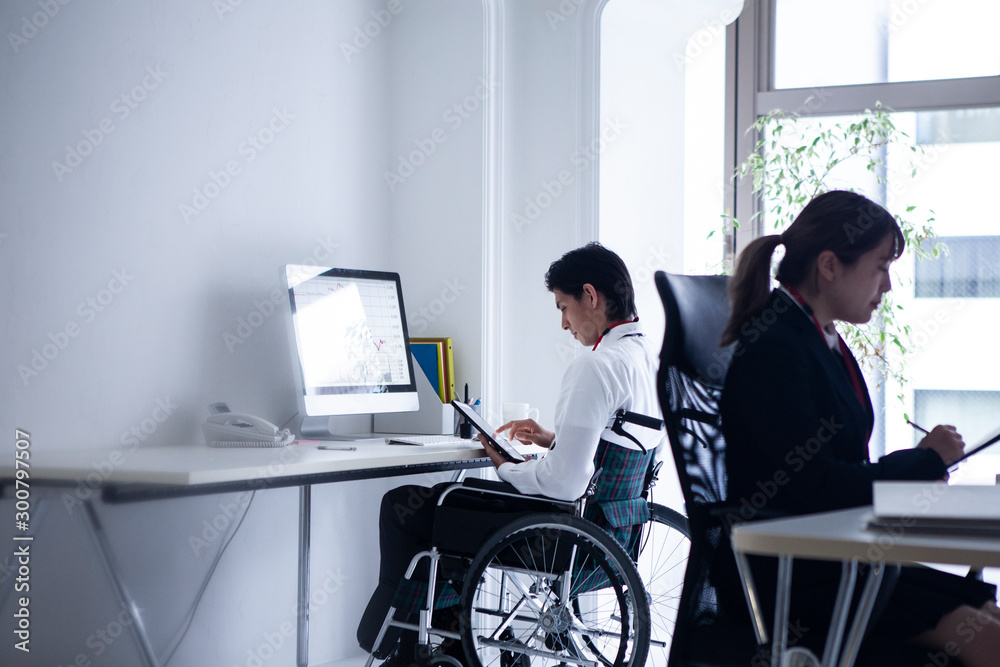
x: 750, y: 286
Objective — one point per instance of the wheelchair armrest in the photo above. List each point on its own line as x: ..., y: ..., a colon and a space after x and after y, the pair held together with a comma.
x: 478, y: 508
x: 490, y: 487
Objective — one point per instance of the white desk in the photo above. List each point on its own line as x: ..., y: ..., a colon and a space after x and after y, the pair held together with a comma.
x: 163, y: 472
x: 191, y: 466
x: 844, y: 536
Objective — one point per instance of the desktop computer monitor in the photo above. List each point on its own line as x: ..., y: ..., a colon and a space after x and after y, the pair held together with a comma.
x: 349, y: 344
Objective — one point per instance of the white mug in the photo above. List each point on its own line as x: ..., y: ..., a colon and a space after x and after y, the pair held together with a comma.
x: 515, y: 411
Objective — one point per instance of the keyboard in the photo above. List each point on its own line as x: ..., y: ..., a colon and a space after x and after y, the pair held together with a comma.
x: 421, y: 440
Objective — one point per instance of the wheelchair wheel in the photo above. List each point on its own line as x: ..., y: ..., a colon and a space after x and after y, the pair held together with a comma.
x: 550, y: 589
x: 662, y: 561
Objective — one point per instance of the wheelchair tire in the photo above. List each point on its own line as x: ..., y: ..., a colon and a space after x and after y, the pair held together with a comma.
x: 662, y: 562
x: 553, y: 588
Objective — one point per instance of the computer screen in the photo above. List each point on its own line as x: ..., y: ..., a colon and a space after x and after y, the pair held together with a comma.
x: 349, y: 344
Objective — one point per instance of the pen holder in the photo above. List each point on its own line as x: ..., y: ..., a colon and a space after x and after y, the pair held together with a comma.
x: 465, y: 430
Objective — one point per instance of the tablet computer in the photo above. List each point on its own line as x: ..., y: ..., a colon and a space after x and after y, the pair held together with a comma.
x: 500, y: 444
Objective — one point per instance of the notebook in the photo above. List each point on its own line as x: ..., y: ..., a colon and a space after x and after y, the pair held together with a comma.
x: 937, y: 507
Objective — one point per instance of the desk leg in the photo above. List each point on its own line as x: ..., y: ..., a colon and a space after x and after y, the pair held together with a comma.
x: 124, y: 597
x: 305, y: 524
x: 838, y: 624
x: 750, y: 595
x: 782, y: 607
x: 865, y: 605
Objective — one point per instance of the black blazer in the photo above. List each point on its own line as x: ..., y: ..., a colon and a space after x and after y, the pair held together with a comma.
x: 796, y: 434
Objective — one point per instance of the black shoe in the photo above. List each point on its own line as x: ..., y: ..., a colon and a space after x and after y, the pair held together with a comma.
x: 396, y: 661
x: 450, y: 618
x: 509, y: 658
x: 403, y: 656
x: 372, y: 620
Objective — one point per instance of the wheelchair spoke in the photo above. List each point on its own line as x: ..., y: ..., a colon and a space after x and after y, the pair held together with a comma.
x: 526, y: 595
x: 555, y: 592
x: 509, y: 618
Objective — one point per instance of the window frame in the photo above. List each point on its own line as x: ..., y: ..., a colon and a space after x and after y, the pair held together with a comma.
x: 750, y: 93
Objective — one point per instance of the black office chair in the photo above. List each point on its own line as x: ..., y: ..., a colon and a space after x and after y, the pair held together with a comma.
x: 689, y: 383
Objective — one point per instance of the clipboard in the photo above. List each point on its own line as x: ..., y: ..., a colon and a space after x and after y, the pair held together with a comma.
x: 502, y: 445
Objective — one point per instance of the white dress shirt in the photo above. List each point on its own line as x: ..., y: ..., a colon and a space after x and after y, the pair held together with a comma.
x: 620, y: 373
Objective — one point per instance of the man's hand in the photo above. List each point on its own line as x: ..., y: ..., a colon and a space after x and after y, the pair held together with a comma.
x: 944, y: 440
x: 496, y: 457
x: 528, y: 432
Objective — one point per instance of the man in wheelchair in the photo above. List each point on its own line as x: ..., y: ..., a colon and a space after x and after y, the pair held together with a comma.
x: 606, y: 421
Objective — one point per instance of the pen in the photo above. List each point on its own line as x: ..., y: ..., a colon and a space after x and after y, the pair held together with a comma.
x: 919, y: 428
x: 339, y: 448
x: 467, y: 393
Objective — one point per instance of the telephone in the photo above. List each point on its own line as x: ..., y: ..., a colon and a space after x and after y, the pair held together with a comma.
x: 233, y: 429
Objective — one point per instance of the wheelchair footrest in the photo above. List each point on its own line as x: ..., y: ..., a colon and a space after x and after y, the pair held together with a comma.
x: 521, y: 649
x: 415, y: 627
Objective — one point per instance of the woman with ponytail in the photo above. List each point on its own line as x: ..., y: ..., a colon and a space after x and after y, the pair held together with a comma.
x: 797, y: 418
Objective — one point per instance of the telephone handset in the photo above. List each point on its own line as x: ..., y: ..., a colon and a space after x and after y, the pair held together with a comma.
x: 234, y: 429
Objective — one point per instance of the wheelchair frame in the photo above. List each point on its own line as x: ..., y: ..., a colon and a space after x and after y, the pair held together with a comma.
x: 636, y: 605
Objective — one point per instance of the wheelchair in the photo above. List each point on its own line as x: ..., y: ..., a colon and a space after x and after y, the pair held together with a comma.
x: 539, y: 585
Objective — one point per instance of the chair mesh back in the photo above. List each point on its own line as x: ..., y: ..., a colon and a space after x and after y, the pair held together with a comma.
x: 689, y: 385
x: 692, y: 371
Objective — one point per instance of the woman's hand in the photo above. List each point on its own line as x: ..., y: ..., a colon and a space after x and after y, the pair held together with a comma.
x: 944, y: 440
x: 528, y: 432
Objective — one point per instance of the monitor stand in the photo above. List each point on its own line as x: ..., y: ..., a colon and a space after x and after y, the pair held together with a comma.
x: 336, y: 428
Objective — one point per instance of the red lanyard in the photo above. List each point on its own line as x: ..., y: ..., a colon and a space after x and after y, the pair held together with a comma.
x: 608, y: 330
x: 844, y: 353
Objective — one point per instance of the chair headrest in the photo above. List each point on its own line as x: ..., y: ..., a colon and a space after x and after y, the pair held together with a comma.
x: 697, y: 310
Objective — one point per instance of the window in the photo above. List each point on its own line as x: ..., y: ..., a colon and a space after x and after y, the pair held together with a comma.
x: 935, y: 64
x: 880, y: 41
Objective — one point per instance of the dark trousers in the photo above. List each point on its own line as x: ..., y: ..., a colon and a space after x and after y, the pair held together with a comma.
x: 406, y: 519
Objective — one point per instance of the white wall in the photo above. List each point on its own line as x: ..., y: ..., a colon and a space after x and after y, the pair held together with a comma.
x: 541, y: 95
x: 158, y: 334
x: 437, y: 94
x: 646, y: 60
x: 548, y: 79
